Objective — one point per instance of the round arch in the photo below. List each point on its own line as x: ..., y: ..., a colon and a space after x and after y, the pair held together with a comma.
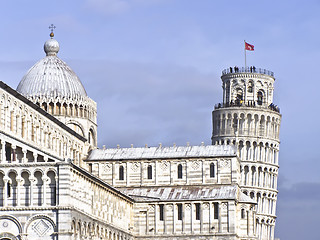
x: 76, y: 126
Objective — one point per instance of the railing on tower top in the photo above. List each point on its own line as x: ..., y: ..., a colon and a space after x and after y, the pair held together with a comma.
x: 251, y: 69
x: 252, y: 104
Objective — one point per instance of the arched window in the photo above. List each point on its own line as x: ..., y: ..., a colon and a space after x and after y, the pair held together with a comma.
x: 180, y: 171
x: 212, y: 173
x: 260, y: 98
x: 121, y: 173
x: 250, y: 87
x: 91, y: 137
x: 52, y: 187
x: 239, y: 97
x: 149, y: 172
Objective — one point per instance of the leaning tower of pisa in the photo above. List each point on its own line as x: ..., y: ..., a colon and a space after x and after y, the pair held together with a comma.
x: 249, y: 119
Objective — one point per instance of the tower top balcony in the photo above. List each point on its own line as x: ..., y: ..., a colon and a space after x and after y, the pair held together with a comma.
x: 248, y: 104
x: 251, y: 69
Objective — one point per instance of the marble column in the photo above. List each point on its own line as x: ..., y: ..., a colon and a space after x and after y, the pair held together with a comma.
x: 3, y: 151
x: 45, y: 186
x: 19, y: 184
x: 24, y: 159
x: 13, y: 153
x: 6, y: 180
x: 32, y: 187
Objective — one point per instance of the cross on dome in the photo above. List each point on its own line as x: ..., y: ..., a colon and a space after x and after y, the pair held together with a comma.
x: 52, y: 27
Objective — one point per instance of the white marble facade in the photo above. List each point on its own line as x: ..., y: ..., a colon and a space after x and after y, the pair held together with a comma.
x: 56, y: 184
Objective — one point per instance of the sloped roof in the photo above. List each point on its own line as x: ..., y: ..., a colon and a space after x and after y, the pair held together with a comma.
x: 187, y: 193
x: 162, y: 152
x: 181, y: 193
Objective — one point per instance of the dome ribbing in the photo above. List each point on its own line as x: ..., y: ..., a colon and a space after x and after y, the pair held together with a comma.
x: 51, y: 77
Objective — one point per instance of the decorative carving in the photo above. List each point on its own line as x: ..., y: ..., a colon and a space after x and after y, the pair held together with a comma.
x: 188, y: 206
x: 5, y: 224
x: 225, y: 163
x: 224, y: 206
x: 205, y: 206
x: 170, y: 207
x: 107, y: 167
x: 151, y: 208
x: 164, y: 165
x: 135, y: 166
x: 41, y: 227
x: 195, y: 165
x: 244, y: 206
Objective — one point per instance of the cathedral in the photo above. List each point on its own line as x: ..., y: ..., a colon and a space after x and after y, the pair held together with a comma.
x: 55, y: 183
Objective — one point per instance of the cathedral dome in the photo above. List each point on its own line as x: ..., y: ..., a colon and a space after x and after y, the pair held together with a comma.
x: 51, y: 77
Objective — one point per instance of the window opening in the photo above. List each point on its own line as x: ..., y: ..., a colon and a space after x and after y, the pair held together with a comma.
x: 250, y: 87
x: 8, y: 189
x: 260, y: 98
x: 197, y: 211
x: 212, y: 173
x: 121, y: 173
x: 239, y: 97
x: 149, y: 172
x: 179, y: 211
x: 216, y: 210
x: 180, y: 171
x: 161, y: 212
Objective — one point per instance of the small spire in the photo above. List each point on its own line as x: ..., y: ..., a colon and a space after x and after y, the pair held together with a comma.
x: 52, y: 27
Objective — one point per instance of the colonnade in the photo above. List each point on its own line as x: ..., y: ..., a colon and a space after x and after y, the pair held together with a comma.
x: 184, y: 217
x: 200, y: 217
x: 265, y: 229
x: 29, y: 126
x: 13, y: 152
x: 82, y: 109
x: 26, y: 188
x: 255, y: 151
x: 82, y: 230
x: 266, y: 200
x: 258, y: 175
x: 248, y: 124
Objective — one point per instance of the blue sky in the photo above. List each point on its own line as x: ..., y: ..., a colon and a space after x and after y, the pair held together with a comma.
x: 154, y: 66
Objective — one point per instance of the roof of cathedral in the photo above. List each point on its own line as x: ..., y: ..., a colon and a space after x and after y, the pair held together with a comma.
x: 186, y: 193
x: 51, y: 77
x: 162, y: 152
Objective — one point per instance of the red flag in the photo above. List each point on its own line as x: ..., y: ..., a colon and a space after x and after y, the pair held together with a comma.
x: 249, y: 47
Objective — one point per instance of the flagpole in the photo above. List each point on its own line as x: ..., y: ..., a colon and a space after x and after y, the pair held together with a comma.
x: 245, y: 56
